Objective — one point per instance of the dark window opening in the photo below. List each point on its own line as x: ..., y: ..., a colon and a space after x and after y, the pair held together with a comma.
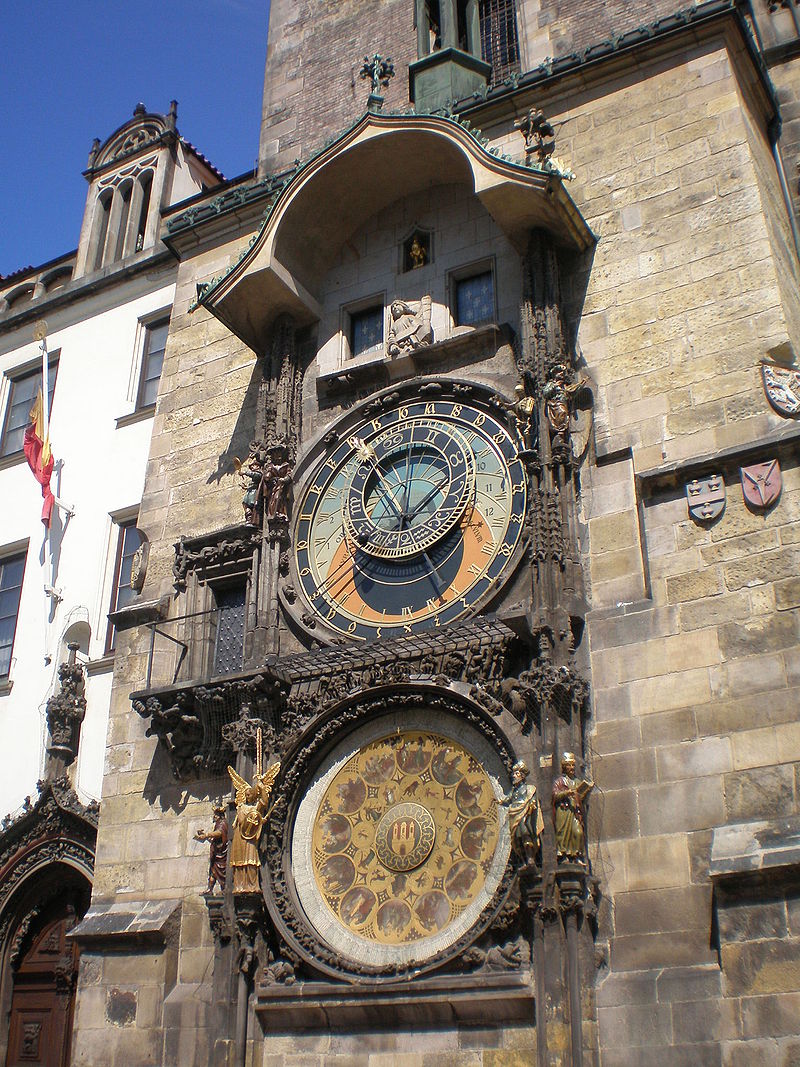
x: 146, y: 182
x: 499, y: 42
x: 229, y: 643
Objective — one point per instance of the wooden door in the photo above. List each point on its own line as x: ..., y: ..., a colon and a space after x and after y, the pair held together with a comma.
x: 44, y: 997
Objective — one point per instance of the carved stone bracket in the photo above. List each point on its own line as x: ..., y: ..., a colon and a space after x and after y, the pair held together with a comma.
x: 219, y: 918
x: 249, y: 915
x: 66, y: 710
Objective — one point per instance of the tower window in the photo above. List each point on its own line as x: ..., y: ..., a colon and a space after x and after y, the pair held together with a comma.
x: 499, y: 42
x: 122, y: 593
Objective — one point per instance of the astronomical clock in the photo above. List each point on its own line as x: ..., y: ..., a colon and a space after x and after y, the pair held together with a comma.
x: 411, y: 521
x: 394, y: 849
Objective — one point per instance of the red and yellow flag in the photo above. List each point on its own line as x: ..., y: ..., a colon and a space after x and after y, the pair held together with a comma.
x: 36, y: 447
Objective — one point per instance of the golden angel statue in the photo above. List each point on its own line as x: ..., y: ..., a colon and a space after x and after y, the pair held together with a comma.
x: 252, y: 808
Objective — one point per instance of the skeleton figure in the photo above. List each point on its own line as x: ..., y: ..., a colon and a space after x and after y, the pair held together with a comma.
x: 558, y: 396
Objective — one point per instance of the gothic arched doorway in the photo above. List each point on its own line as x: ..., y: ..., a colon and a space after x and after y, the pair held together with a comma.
x: 45, y: 973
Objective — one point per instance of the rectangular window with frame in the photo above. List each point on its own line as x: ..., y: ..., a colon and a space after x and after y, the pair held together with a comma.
x: 22, y: 393
x: 155, y: 341
x: 229, y: 643
x: 128, y: 541
x: 473, y: 298
x: 366, y: 330
x: 12, y: 570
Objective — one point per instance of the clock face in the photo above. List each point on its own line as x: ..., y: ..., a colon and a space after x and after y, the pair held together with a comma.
x: 410, y: 522
x: 400, y: 842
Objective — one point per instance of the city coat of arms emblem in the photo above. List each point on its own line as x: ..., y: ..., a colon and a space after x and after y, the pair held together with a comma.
x: 706, y: 497
x: 761, y: 484
x: 782, y: 386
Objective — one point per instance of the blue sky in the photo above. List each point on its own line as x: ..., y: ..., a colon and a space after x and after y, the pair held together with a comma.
x: 75, y: 70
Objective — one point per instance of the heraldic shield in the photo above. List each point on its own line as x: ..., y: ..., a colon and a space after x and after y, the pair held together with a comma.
x: 706, y: 497
x: 782, y: 386
x: 762, y: 484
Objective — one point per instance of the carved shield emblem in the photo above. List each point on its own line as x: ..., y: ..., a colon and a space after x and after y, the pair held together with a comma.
x: 782, y: 386
x: 706, y: 497
x: 762, y: 483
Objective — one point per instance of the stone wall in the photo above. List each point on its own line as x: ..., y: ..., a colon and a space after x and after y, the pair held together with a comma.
x: 312, y: 88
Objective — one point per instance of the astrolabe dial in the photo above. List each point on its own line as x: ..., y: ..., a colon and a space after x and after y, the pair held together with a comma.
x: 411, y: 521
x: 411, y: 488
x: 407, y: 844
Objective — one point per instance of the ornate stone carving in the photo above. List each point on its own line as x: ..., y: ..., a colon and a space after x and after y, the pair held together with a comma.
x: 782, y: 386
x: 409, y: 326
x: 222, y: 548
x: 378, y: 70
x: 558, y: 394
x: 66, y: 710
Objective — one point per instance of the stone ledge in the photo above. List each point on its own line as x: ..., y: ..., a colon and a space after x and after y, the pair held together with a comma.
x: 138, y: 613
x: 485, y: 999
x: 746, y: 849
x: 466, y: 345
x: 138, y: 922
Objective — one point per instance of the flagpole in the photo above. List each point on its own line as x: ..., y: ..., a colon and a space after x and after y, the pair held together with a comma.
x: 40, y: 334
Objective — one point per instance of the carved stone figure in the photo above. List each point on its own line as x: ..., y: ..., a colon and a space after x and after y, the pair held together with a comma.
x: 558, y: 394
x: 252, y: 806
x: 218, y: 857
x: 251, y: 483
x: 523, y: 410
x: 525, y: 820
x: 569, y: 794
x: 276, y: 481
x: 410, y: 326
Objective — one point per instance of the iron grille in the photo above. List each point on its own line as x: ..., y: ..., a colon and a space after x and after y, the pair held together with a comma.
x: 229, y: 647
x: 499, y: 43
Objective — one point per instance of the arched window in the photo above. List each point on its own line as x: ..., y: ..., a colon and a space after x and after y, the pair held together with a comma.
x: 499, y: 42
x: 102, y: 212
x: 145, y: 185
x: 121, y: 212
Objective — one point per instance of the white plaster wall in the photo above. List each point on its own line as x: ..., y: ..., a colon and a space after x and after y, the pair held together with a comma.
x: 102, y: 474
x: 463, y: 234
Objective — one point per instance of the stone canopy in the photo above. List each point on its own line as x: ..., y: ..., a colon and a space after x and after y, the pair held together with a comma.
x: 379, y: 160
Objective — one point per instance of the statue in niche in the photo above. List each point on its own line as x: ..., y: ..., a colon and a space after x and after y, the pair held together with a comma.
x: 417, y: 254
x: 276, y: 481
x: 525, y: 821
x: 558, y: 396
x: 252, y: 809
x: 409, y: 326
x: 569, y: 818
x: 218, y: 840
x: 267, y: 482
